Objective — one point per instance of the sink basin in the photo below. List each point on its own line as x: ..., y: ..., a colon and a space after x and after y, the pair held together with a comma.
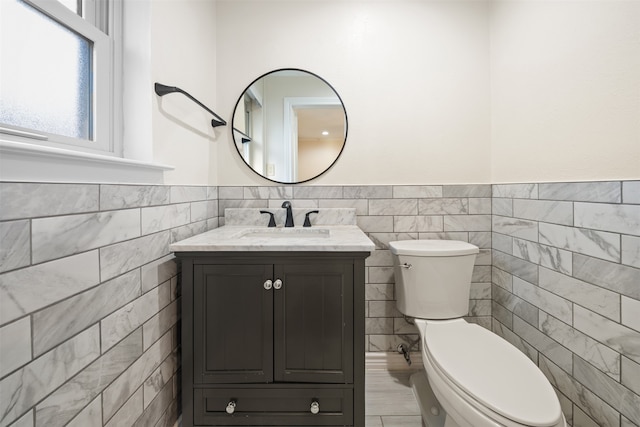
x: 285, y: 233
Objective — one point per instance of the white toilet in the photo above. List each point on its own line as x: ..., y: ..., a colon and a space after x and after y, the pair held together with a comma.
x: 478, y: 378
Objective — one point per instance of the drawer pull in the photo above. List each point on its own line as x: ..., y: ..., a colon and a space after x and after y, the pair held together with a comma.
x: 277, y: 284
x: 231, y: 407
x: 268, y: 284
x: 315, y: 407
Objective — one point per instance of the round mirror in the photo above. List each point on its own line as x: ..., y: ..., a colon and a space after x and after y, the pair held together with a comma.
x: 289, y: 126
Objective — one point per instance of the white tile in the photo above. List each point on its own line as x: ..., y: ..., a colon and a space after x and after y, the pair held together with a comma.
x: 592, y: 297
x: 322, y: 192
x: 443, y: 206
x: 591, y: 404
x: 601, y: 192
x: 610, y: 275
x: 25, y: 387
x: 159, y: 324
x: 631, y: 313
x: 128, y: 413
x: 77, y: 273
x: 62, y: 320
x: 90, y: 416
x: 25, y: 421
x: 631, y: 251
x: 30, y: 200
x: 547, y: 256
x: 608, y: 390
x: 542, y: 210
x: 419, y: 223
x: 60, y: 236
x: 117, y: 393
x: 516, y: 191
x: 182, y: 194
x: 124, y: 256
x: 631, y: 375
x: 270, y: 192
x: 367, y: 192
x: 515, y: 227
x: 160, y: 218
x: 479, y: 206
x: 631, y: 192
x: 15, y: 245
x: 132, y: 196
x: 607, y: 217
x: 467, y: 223
x: 158, y: 271
x: 500, y: 206
x: 230, y: 193
x: 417, y: 191
x: 606, y: 359
x: 393, y: 207
x: 133, y: 315
x: 471, y: 190
x: 15, y: 345
x: 619, y: 337
x: 68, y: 400
x: 545, y: 300
x: 599, y: 244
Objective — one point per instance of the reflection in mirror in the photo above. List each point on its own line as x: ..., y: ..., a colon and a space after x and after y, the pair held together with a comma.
x: 289, y: 126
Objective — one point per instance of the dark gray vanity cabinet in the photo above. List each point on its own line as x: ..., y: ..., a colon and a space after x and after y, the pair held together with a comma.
x: 267, y: 336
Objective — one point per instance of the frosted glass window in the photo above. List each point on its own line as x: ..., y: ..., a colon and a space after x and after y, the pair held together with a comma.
x: 45, y: 73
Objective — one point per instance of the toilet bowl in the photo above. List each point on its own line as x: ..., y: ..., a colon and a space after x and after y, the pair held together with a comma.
x: 479, y: 379
x: 484, y: 379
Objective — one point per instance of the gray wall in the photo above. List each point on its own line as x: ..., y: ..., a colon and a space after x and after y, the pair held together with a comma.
x: 89, y: 293
x: 566, y: 291
x: 89, y: 301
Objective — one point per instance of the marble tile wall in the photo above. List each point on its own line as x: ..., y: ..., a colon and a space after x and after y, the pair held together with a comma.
x: 89, y: 293
x: 566, y: 291
x: 89, y: 301
x: 387, y: 213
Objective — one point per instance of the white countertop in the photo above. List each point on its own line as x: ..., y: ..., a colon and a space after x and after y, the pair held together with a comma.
x: 247, y: 238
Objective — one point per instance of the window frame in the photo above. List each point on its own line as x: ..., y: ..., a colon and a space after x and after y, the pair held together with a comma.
x: 106, y: 82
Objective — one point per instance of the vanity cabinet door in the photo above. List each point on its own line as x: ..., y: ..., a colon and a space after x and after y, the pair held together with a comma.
x: 313, y: 322
x: 232, y: 328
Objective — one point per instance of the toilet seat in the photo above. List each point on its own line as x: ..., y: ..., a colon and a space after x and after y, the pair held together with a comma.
x: 489, y: 373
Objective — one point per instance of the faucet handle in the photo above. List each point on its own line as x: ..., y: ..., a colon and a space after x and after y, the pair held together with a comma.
x: 307, y: 223
x: 272, y: 220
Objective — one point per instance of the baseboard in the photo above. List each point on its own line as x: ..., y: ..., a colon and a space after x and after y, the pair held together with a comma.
x: 391, y: 361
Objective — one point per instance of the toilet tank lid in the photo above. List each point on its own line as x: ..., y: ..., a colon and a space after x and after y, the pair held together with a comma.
x: 432, y: 248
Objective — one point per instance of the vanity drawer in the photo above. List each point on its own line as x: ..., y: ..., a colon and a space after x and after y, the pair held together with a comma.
x: 273, y: 407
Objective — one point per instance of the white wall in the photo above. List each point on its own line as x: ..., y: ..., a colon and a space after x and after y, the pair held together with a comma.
x: 183, y: 46
x: 565, y: 81
x: 414, y: 77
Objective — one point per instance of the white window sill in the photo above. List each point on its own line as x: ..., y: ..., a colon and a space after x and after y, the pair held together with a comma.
x: 27, y: 162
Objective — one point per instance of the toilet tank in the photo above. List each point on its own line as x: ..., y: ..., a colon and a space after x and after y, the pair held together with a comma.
x: 433, y: 277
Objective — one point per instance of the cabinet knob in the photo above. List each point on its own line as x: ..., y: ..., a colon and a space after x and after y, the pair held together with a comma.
x: 315, y: 407
x: 231, y: 407
x: 268, y: 284
x: 277, y: 284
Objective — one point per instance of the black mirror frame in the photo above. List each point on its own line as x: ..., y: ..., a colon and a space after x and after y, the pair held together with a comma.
x: 346, y: 125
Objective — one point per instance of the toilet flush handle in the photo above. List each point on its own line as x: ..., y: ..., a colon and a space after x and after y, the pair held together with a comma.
x: 406, y: 265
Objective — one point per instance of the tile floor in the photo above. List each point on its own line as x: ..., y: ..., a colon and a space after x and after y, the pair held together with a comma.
x: 389, y: 399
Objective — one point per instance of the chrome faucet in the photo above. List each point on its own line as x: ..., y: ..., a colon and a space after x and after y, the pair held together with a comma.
x: 289, y: 220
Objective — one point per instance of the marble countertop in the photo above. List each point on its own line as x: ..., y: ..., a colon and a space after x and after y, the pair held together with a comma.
x: 248, y: 238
